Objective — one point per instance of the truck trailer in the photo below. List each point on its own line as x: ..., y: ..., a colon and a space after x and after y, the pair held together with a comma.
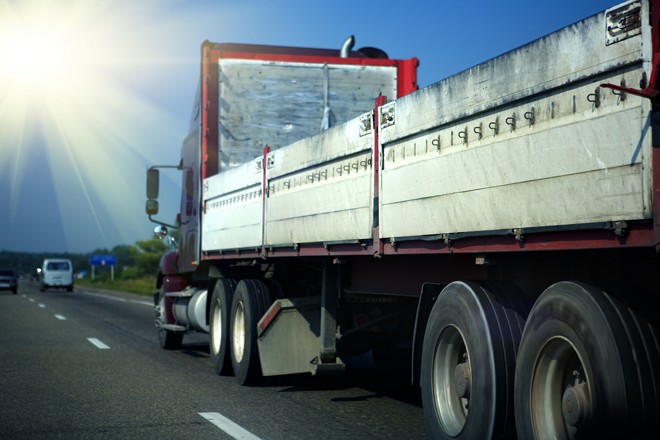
x: 496, y: 233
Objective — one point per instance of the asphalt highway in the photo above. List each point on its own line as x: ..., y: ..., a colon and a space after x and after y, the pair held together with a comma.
x: 86, y: 365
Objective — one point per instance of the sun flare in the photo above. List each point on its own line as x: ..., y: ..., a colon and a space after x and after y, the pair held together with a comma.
x: 38, y: 55
x: 68, y: 72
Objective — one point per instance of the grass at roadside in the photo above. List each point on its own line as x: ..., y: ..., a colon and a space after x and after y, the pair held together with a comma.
x: 142, y: 286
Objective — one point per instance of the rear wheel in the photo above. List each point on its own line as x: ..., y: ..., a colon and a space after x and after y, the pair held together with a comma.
x: 587, y: 368
x: 220, y: 314
x: 468, y: 361
x: 250, y: 302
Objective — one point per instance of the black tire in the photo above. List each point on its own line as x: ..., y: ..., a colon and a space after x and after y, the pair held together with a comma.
x: 169, y: 340
x: 587, y: 368
x: 42, y: 287
x: 14, y: 291
x: 470, y: 322
x: 69, y: 288
x: 219, y: 329
x: 250, y: 302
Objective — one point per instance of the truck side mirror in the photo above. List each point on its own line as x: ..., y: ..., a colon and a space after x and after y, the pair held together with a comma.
x: 152, y: 207
x: 153, y: 178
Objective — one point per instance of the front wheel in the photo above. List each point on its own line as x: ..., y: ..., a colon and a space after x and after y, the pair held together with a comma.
x: 468, y: 361
x: 587, y: 368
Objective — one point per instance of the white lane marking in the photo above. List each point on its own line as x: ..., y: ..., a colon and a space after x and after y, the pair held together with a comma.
x: 31, y: 300
x: 229, y: 427
x: 98, y: 343
x: 43, y: 306
x: 60, y: 317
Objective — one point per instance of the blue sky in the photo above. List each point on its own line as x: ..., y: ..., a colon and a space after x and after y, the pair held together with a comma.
x: 92, y: 92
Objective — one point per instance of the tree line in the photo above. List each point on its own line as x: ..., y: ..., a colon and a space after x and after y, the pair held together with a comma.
x: 132, y: 261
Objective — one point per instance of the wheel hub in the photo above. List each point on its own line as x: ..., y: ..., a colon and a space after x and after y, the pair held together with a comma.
x: 451, y: 380
x: 575, y: 403
x: 239, y: 333
x: 463, y: 379
x: 216, y: 334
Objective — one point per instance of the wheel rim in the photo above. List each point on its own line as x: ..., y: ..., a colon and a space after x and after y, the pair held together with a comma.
x: 452, y: 380
x: 161, y: 318
x: 560, y: 394
x: 161, y: 310
x: 216, y: 320
x: 239, y: 332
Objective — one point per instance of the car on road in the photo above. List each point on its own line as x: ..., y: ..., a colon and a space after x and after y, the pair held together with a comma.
x: 8, y: 280
x: 56, y: 272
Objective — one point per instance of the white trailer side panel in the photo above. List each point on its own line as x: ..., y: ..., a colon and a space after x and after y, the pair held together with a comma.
x: 321, y: 188
x: 528, y: 139
x: 232, y: 209
x: 575, y: 53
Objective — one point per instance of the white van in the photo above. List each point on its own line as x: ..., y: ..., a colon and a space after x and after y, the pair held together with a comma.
x: 57, y: 272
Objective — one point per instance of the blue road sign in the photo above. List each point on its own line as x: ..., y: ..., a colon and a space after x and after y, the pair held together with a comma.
x: 102, y: 260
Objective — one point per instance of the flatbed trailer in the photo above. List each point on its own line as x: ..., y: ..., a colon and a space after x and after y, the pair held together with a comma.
x: 496, y: 233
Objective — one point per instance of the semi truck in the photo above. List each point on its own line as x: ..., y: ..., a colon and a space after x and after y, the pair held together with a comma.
x: 496, y: 233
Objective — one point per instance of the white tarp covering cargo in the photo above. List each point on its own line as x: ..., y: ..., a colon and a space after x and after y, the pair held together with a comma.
x: 277, y: 103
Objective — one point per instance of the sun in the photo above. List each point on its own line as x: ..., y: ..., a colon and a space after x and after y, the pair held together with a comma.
x: 37, y: 55
x: 44, y: 50
x: 41, y: 47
